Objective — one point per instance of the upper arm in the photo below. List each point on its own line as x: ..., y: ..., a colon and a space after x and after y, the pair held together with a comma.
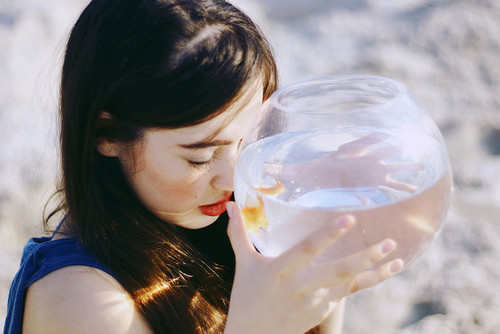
x: 79, y: 299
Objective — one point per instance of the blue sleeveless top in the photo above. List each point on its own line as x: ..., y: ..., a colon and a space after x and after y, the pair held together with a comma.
x: 41, y: 256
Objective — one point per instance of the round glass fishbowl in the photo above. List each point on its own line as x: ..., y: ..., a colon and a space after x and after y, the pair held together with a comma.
x: 340, y: 145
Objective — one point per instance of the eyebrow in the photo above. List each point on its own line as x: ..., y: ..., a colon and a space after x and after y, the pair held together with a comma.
x: 206, y: 143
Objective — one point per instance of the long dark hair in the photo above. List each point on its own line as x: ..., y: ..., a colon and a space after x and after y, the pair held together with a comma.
x: 152, y: 64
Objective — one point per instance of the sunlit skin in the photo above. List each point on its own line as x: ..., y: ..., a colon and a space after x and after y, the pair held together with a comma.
x: 173, y: 179
x: 169, y: 185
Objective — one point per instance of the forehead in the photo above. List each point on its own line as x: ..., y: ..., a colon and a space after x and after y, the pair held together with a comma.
x: 226, y: 125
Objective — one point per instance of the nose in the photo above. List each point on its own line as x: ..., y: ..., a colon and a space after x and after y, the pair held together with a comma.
x: 222, y: 179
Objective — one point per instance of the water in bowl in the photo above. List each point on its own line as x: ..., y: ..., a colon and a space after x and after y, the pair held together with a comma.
x: 395, y: 184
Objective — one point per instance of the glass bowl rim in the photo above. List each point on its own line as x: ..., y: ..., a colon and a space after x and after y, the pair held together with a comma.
x: 400, y: 88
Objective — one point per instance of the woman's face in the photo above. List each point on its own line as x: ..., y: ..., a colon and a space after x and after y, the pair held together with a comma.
x: 185, y: 175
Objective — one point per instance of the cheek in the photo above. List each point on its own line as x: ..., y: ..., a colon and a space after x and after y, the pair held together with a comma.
x: 182, y: 186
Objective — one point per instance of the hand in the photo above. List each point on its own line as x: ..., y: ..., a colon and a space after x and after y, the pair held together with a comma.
x: 366, y: 162
x: 290, y: 294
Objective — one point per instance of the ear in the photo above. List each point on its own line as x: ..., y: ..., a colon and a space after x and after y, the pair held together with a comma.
x: 106, y: 147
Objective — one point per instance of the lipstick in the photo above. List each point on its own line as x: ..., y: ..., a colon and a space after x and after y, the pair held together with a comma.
x: 215, y: 209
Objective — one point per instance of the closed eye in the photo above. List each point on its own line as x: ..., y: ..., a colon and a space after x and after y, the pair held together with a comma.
x: 203, y: 164
x: 199, y: 164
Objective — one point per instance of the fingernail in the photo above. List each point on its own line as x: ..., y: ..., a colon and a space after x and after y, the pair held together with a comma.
x: 229, y: 210
x: 388, y: 246
x: 345, y: 222
x: 397, y: 266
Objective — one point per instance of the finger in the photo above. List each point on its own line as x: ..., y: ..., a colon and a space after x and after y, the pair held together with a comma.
x: 360, y: 146
x: 421, y: 224
x: 370, y: 278
x: 384, y: 151
x: 304, y: 253
x: 365, y: 200
x: 391, y: 182
x: 348, y: 267
x: 402, y: 165
x: 236, y: 231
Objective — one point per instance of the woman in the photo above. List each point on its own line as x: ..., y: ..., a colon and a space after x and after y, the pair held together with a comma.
x: 156, y: 98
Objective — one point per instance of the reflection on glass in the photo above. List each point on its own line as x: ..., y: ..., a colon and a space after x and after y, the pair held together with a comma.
x: 344, y: 145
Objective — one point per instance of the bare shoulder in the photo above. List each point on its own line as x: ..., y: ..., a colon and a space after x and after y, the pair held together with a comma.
x: 80, y: 299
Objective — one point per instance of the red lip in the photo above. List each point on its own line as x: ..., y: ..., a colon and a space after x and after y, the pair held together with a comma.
x: 215, y: 209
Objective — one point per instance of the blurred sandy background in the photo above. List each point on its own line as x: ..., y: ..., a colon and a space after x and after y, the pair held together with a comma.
x: 446, y: 51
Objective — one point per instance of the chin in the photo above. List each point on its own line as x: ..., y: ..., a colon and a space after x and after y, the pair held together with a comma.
x: 191, y: 221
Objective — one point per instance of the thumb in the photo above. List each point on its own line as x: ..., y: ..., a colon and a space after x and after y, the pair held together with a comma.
x: 237, y: 233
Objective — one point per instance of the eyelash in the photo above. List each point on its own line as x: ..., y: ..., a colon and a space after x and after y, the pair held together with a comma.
x: 199, y: 164
x: 203, y: 164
